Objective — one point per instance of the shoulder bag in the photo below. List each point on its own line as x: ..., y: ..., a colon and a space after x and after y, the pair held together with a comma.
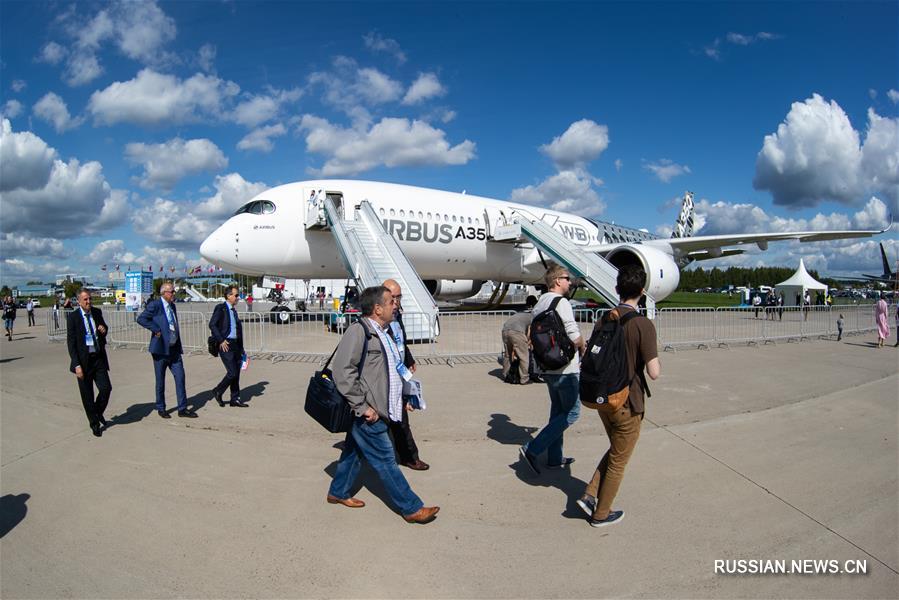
x: 325, y: 403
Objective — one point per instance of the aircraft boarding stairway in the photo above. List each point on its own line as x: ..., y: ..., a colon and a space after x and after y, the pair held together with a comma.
x: 596, y: 272
x: 372, y: 256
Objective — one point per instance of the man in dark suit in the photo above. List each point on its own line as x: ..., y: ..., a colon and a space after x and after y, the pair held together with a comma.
x: 86, y: 338
x: 401, y: 432
x: 161, y: 318
x: 228, y: 333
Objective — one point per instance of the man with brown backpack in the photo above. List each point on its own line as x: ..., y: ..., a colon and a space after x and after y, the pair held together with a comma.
x: 621, y: 410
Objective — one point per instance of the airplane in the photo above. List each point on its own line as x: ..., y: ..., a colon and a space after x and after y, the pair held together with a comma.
x: 887, y: 277
x: 451, y: 238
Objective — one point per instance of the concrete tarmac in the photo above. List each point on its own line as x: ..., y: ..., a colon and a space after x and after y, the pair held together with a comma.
x: 777, y: 452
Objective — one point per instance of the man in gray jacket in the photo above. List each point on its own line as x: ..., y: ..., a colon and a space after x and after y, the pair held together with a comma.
x: 373, y: 385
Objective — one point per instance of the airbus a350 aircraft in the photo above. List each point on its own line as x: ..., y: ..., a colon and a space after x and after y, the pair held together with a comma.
x: 453, y: 239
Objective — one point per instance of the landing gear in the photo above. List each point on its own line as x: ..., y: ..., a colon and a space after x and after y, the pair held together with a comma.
x: 280, y: 315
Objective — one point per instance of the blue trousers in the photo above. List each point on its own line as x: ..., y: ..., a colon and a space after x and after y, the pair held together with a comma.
x: 372, y: 442
x: 564, y: 409
x: 231, y: 360
x: 176, y: 366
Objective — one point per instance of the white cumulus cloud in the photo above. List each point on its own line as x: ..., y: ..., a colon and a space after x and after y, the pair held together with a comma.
x: 45, y: 197
x: 893, y: 95
x: 12, y: 109
x: 18, y: 85
x: 52, y: 53
x: 26, y: 161
x: 427, y: 86
x: 167, y: 163
x: 261, y: 139
x: 184, y: 225
x: 375, y: 42
x: 138, y: 30
x: 256, y: 110
x: 391, y: 142
x: 53, y: 109
x: 153, y: 98
x: 17, y: 244
x: 666, y: 170
x: 715, y: 218
x: 581, y: 143
x: 351, y: 88
x: 816, y: 155
x: 568, y: 191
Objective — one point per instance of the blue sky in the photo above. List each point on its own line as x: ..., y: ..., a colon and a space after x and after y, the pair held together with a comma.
x: 132, y: 129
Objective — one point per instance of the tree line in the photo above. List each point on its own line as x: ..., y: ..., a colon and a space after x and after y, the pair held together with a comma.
x: 692, y: 279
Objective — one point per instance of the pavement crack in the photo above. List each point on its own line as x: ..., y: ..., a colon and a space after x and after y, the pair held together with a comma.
x: 36, y: 450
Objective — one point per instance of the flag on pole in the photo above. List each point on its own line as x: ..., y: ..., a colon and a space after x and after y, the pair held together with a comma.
x: 117, y: 267
x: 150, y: 268
x: 103, y: 268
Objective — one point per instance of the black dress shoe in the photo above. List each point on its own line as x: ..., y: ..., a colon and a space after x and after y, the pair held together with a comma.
x: 187, y: 413
x: 218, y: 397
x: 238, y: 403
x: 97, y: 430
x: 164, y: 414
x: 103, y: 421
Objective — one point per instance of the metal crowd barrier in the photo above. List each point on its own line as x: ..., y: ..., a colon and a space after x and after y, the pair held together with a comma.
x: 56, y: 324
x: 312, y: 336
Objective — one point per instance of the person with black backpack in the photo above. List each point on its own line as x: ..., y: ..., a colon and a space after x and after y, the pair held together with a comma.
x: 622, y: 345
x: 556, y: 344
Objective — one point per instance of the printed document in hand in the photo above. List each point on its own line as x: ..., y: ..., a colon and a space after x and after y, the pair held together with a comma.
x: 412, y: 394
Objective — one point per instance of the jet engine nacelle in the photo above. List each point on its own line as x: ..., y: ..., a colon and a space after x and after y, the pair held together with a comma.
x: 453, y: 289
x: 662, y: 274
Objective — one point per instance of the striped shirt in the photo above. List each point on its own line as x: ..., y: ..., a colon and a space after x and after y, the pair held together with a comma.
x: 395, y: 389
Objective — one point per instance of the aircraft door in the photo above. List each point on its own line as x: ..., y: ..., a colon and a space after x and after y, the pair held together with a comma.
x: 493, y: 218
x: 337, y: 199
x: 314, y: 213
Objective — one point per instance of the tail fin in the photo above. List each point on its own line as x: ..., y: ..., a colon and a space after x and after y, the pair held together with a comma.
x: 887, y: 272
x: 683, y: 227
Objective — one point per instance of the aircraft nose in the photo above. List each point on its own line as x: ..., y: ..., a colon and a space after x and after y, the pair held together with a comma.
x: 213, y: 248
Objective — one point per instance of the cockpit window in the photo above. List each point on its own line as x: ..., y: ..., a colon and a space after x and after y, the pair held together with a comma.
x: 257, y: 207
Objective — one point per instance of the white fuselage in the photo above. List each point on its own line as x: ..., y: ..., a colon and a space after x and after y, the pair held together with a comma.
x: 444, y: 234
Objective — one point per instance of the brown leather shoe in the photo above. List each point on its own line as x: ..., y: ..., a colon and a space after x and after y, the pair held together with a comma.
x: 425, y: 514
x: 349, y: 502
x: 418, y: 465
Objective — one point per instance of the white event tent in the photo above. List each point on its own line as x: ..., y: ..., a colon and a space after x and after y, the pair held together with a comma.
x: 798, y: 283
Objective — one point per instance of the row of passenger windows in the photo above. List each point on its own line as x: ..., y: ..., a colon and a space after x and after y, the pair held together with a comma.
x: 438, y: 217
x: 257, y: 207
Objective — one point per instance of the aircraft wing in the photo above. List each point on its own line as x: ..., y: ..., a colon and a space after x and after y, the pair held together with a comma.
x: 700, y: 243
x: 713, y: 246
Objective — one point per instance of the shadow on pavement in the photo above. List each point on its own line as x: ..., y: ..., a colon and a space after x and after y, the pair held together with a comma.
x: 257, y: 389
x: 198, y: 401
x: 7, y: 360
x: 561, y: 479
x: 134, y: 413
x: 504, y: 431
x: 12, y: 511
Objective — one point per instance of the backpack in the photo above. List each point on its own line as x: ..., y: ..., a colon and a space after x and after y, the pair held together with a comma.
x: 550, y: 344
x: 604, y: 381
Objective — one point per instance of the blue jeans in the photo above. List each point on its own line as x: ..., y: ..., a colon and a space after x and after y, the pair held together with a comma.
x: 564, y: 409
x: 372, y: 442
x: 176, y: 365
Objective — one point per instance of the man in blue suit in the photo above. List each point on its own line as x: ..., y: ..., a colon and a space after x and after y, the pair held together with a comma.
x: 228, y: 333
x: 161, y: 318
